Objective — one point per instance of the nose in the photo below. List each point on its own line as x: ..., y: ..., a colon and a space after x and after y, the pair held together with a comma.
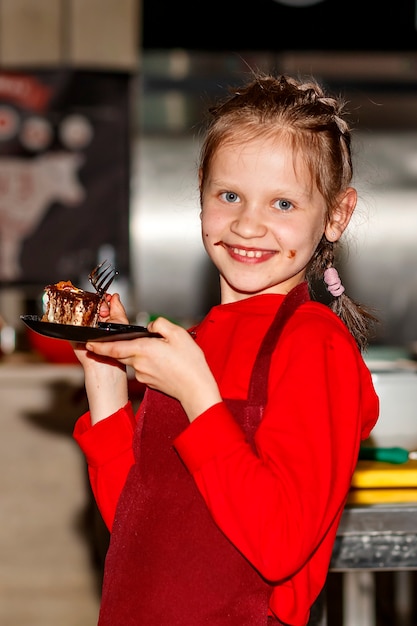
x: 249, y: 223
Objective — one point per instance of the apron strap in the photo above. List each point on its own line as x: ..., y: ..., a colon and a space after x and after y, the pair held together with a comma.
x: 258, y: 387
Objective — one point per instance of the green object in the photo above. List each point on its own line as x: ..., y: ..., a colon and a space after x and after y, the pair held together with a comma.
x: 387, y: 455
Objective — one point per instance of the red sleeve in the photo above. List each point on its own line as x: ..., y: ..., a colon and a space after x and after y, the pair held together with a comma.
x: 107, y: 447
x: 280, y: 507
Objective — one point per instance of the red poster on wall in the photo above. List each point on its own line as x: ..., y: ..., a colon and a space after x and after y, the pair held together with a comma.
x: 64, y: 174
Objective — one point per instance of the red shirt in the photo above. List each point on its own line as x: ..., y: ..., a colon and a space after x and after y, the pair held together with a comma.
x: 281, y: 506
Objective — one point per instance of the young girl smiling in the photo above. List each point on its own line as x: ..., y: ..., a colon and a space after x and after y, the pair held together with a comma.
x: 224, y: 492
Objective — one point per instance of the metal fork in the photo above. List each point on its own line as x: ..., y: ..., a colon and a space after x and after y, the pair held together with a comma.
x: 102, y: 276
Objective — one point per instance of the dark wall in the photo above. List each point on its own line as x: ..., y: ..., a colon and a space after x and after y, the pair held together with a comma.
x: 275, y: 25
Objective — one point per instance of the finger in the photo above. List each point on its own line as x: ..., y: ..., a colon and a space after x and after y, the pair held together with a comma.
x: 116, y: 306
x: 162, y: 326
x: 104, y: 310
x: 115, y: 310
x: 115, y: 349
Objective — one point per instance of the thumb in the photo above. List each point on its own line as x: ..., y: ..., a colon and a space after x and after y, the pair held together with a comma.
x: 117, y: 310
x: 162, y: 326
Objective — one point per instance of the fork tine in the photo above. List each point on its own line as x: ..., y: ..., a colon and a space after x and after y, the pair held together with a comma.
x: 106, y: 278
x: 94, y: 273
x: 102, y: 276
x: 105, y: 287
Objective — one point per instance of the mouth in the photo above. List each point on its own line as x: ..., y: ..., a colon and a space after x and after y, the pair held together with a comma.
x: 247, y: 253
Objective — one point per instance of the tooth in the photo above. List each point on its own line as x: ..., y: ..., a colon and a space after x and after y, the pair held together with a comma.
x: 249, y: 253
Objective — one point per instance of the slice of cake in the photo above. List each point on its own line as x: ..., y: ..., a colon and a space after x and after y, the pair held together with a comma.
x: 67, y: 304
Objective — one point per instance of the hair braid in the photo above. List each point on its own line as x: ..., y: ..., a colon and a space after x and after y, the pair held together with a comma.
x: 359, y: 320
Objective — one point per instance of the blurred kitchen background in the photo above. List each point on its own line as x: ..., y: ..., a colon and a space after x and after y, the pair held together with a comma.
x: 143, y: 74
x: 166, y: 66
x: 169, y: 268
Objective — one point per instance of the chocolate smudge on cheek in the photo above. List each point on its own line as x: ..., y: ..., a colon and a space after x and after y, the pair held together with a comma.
x: 292, y: 254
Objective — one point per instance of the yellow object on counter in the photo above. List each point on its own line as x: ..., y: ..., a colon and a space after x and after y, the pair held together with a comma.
x: 376, y: 474
x: 399, y: 495
x: 376, y: 482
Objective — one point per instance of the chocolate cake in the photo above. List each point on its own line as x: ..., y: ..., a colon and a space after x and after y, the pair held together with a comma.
x: 67, y: 304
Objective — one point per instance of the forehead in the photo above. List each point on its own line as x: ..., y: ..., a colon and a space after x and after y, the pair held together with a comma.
x: 272, y: 149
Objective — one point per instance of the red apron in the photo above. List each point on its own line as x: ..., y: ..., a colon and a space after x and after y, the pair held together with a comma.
x: 168, y: 563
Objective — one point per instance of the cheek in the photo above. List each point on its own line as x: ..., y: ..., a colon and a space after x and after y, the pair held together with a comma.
x: 204, y: 229
x: 209, y: 224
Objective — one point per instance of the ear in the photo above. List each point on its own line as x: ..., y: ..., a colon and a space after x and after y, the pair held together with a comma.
x: 341, y: 214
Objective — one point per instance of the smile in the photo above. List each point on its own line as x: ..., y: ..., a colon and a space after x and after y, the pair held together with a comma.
x: 246, y: 253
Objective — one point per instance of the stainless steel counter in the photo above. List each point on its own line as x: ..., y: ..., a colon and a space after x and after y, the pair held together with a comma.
x: 377, y: 537
x: 371, y: 539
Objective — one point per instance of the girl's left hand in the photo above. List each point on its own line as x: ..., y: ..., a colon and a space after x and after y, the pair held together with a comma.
x: 173, y: 364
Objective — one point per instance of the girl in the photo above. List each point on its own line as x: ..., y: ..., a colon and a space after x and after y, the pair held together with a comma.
x: 224, y: 493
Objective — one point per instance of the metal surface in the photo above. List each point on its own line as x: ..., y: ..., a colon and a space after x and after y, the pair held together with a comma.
x: 376, y: 537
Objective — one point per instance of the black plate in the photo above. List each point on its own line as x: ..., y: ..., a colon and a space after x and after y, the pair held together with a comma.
x: 81, y: 334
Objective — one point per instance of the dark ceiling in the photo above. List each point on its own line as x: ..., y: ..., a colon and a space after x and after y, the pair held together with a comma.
x: 276, y: 25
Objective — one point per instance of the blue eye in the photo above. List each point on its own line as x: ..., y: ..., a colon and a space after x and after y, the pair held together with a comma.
x: 283, y: 205
x: 230, y: 196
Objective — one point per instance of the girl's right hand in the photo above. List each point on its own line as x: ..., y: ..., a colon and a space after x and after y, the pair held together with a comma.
x: 111, y: 310
x: 105, y: 378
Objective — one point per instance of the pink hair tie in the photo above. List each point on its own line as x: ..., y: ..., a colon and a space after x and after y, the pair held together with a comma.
x: 333, y: 282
